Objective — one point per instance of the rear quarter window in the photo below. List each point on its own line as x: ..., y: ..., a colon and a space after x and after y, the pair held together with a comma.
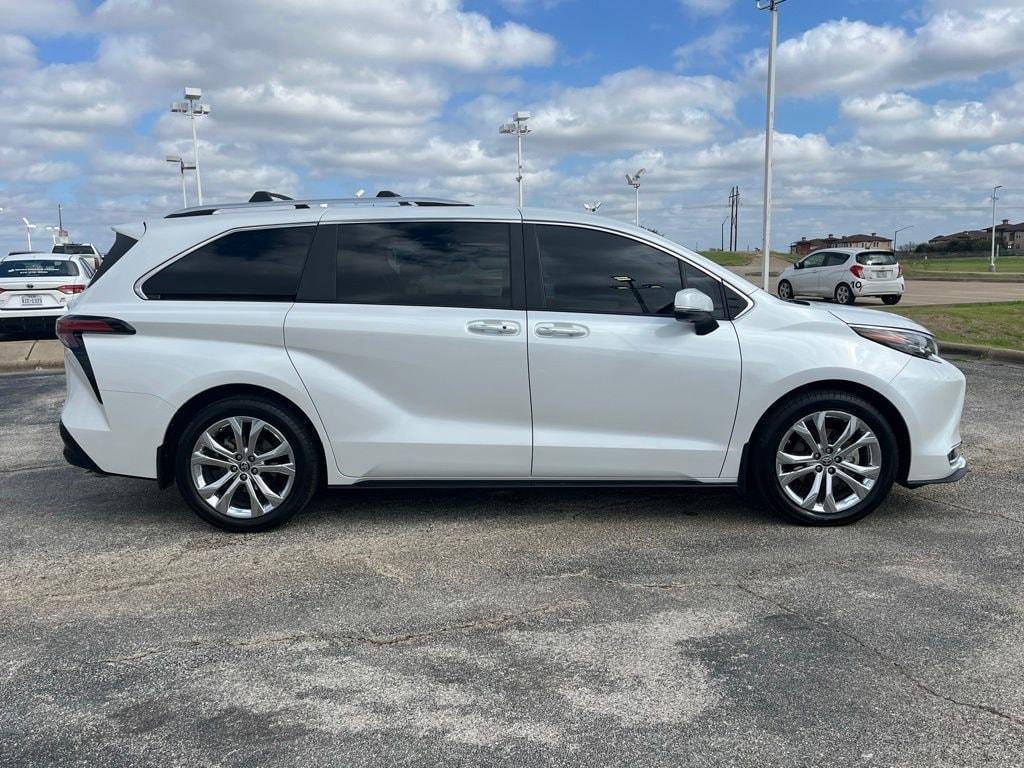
x: 248, y: 265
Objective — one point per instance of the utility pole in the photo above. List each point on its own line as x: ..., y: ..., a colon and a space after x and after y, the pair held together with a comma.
x: 723, y: 232
x: 992, y: 261
x: 772, y: 6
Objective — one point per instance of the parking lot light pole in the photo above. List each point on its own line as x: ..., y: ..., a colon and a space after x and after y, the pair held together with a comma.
x: 634, y: 181
x: 193, y: 106
x: 183, y: 166
x: 992, y: 260
x: 519, y: 129
x: 772, y: 6
x: 896, y: 234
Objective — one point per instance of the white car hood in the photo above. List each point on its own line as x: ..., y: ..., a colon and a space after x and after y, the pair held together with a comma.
x: 857, y: 316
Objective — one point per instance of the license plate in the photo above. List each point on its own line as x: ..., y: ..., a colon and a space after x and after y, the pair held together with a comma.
x: 885, y: 274
x: 31, y: 301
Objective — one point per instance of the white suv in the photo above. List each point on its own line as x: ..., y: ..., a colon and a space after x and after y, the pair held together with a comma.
x: 844, y: 274
x: 254, y: 353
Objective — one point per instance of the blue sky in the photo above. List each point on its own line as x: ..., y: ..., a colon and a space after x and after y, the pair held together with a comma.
x: 890, y: 112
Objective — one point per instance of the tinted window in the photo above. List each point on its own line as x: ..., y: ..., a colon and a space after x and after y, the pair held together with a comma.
x: 38, y: 268
x: 735, y: 301
x: 708, y: 285
x: 255, y: 265
x: 876, y: 258
x: 122, y: 244
x: 814, y: 260
x: 425, y: 264
x: 583, y: 270
x: 72, y: 248
x: 835, y: 259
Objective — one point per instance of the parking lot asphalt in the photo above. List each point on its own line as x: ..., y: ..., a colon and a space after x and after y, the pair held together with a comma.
x: 547, y: 627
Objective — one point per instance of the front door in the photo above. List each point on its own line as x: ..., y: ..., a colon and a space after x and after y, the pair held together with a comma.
x: 806, y: 279
x: 418, y: 366
x: 620, y: 388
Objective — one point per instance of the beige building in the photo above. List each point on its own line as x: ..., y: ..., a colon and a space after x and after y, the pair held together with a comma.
x: 874, y: 241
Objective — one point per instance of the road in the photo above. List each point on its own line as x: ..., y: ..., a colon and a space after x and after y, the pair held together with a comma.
x: 527, y: 628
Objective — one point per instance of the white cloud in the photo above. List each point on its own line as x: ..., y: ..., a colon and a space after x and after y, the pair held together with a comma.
x: 845, y: 57
x: 715, y: 46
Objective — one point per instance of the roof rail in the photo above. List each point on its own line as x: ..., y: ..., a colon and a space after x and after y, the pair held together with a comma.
x: 262, y: 200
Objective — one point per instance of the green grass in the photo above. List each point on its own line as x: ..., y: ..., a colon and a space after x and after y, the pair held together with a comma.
x: 991, y: 325
x: 729, y: 258
x: 1006, y: 264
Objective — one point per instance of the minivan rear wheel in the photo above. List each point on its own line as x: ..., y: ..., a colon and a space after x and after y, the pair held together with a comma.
x: 827, y: 458
x: 246, y: 464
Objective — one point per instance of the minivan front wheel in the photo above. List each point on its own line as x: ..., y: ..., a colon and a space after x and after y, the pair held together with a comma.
x: 246, y: 464
x: 829, y: 458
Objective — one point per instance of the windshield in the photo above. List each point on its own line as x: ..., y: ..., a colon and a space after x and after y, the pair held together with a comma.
x: 876, y: 258
x: 38, y: 268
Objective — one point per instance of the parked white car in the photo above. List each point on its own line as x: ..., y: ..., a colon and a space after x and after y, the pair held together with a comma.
x: 253, y: 353
x: 844, y: 274
x: 35, y: 288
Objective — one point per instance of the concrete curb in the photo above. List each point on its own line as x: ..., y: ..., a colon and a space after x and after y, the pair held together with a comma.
x: 983, y: 353
x: 43, y: 354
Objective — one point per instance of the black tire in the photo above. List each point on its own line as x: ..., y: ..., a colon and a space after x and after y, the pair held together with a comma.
x: 785, y: 290
x: 844, y: 294
x: 763, y: 450
x: 304, y: 444
x: 893, y: 299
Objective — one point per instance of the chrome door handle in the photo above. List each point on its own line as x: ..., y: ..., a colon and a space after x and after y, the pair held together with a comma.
x: 561, y: 330
x: 493, y: 327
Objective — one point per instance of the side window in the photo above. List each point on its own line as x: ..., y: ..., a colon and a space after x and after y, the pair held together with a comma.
x: 814, y: 260
x: 253, y: 265
x: 835, y: 259
x: 425, y: 264
x: 584, y: 270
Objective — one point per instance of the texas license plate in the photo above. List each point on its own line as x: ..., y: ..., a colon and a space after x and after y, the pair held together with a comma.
x: 31, y: 301
x: 884, y: 274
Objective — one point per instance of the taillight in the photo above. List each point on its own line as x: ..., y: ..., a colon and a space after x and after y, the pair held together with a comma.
x: 899, y: 270
x: 858, y: 271
x: 70, y: 329
x: 71, y: 288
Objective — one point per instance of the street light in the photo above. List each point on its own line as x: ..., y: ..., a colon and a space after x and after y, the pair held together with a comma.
x: 518, y: 128
x: 29, y: 226
x: 193, y: 107
x: 896, y: 233
x: 183, y: 166
x: 634, y: 182
x: 360, y: 192
x: 53, y: 233
x: 772, y: 6
x: 592, y: 207
x: 992, y: 261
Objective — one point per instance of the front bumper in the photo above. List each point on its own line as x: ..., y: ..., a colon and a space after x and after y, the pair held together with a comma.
x: 956, y: 475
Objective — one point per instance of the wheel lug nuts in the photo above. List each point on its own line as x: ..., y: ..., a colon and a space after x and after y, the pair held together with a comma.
x: 238, y: 457
x: 817, y: 456
x: 234, y: 468
x: 245, y: 476
x: 818, y: 468
x: 255, y: 470
x: 831, y: 470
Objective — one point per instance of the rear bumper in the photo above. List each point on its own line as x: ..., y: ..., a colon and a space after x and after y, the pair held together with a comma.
x: 25, y: 316
x: 878, y: 287
x: 75, y: 455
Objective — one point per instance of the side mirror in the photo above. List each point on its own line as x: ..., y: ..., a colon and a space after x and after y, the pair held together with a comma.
x: 798, y: 265
x: 693, y: 306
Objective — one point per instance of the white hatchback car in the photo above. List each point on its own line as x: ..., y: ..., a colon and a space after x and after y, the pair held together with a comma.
x: 253, y: 353
x: 35, y: 288
x: 844, y: 274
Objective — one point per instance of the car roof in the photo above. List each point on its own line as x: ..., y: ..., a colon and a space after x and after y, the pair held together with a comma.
x: 27, y: 255
x: 851, y: 251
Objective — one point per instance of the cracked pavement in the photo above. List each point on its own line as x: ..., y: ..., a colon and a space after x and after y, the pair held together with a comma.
x: 529, y: 627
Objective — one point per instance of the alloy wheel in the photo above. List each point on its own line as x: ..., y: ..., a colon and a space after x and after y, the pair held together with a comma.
x: 828, y: 462
x: 242, y: 467
x: 843, y: 294
x: 785, y: 290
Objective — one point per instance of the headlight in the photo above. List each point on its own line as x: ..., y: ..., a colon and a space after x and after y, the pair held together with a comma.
x: 911, y: 342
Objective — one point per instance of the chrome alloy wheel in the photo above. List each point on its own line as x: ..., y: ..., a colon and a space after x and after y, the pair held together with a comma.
x: 242, y: 467
x: 828, y: 462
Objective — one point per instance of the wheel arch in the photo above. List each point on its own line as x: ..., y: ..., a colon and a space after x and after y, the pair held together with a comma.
x: 873, y: 396
x: 165, y: 453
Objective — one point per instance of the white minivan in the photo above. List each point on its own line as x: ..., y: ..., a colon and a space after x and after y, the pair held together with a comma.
x: 253, y: 353
x: 844, y: 274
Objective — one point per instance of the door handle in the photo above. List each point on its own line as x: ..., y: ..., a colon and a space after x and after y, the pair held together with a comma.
x: 561, y: 330
x: 493, y: 327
